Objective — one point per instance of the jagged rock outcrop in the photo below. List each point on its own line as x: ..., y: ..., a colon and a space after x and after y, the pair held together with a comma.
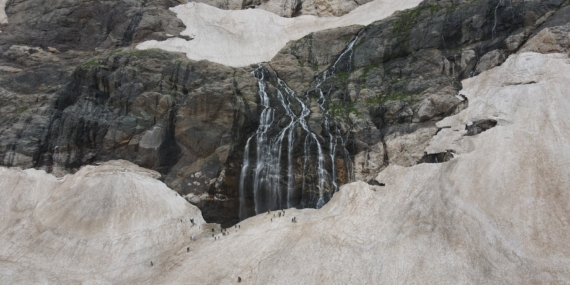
x: 86, y: 25
x: 552, y: 36
x: 291, y: 8
x: 550, y: 40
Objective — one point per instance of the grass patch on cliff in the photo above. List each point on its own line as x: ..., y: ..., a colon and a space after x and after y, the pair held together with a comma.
x: 406, y: 20
x: 146, y: 52
x: 389, y: 97
x: 343, y: 75
x: 155, y: 53
x: 91, y: 63
x: 343, y: 111
x: 366, y: 70
x: 396, y: 96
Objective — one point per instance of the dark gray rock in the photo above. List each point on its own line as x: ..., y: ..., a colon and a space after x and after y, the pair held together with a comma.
x: 410, y: 66
x: 87, y: 24
x: 437, y: 157
x: 156, y: 109
x: 480, y: 126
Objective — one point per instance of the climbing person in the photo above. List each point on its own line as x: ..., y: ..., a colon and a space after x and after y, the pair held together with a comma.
x: 187, y: 249
x: 212, y: 229
x: 239, y: 279
x: 151, y: 264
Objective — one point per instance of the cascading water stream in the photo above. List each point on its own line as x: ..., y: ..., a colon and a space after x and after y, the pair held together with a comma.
x: 265, y: 175
x: 322, y: 174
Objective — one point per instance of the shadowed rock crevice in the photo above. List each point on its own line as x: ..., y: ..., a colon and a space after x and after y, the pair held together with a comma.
x: 374, y: 182
x: 480, y: 126
x: 131, y: 28
x: 437, y: 157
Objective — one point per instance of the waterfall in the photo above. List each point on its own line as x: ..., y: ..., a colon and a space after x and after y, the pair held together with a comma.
x: 269, y: 175
x: 244, y: 170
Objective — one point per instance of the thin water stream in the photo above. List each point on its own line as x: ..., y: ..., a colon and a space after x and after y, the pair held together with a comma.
x: 286, y: 163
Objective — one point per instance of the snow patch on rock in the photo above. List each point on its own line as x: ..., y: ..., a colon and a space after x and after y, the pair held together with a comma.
x: 243, y: 37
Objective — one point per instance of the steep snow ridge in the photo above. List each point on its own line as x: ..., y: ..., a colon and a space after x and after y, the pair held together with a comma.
x: 102, y: 223
x: 243, y: 37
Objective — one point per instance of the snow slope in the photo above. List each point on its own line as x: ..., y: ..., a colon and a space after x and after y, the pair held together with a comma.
x: 242, y: 37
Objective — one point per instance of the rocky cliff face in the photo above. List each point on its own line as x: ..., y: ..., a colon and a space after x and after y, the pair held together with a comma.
x: 153, y: 108
x: 75, y: 92
x: 291, y: 8
x: 452, y: 114
x: 493, y: 214
x: 403, y: 74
